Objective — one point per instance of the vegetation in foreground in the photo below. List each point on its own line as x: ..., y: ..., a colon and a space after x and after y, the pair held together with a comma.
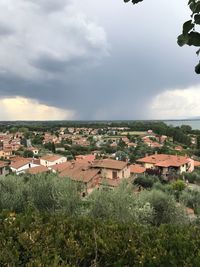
x: 43, y: 239
x: 45, y: 222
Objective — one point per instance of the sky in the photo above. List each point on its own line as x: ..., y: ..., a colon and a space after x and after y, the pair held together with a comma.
x: 95, y: 60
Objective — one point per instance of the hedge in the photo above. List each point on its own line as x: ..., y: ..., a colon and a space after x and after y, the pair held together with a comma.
x: 44, y: 239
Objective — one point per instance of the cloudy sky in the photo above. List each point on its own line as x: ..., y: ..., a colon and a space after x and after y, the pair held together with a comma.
x: 83, y: 59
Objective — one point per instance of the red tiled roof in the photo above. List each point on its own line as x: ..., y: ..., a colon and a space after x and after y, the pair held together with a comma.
x: 51, y: 158
x: 196, y: 163
x: 88, y: 158
x: 109, y: 164
x: 163, y: 160
x: 37, y: 170
x: 80, y: 172
x: 136, y: 168
x: 61, y: 167
x: 20, y: 163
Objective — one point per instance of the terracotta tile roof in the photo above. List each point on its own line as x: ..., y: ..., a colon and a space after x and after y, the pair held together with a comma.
x: 88, y: 158
x: 109, y: 164
x: 61, y: 167
x: 37, y: 170
x: 163, y: 160
x: 20, y: 163
x: 196, y: 163
x: 51, y: 158
x: 80, y: 172
x: 136, y: 168
x: 16, y: 158
x: 3, y: 164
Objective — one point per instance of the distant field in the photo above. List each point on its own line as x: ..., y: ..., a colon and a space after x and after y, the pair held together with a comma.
x: 133, y: 133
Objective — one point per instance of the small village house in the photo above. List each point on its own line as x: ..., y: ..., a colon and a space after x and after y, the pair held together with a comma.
x: 50, y: 160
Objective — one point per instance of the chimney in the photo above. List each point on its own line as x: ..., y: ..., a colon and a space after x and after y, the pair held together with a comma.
x: 156, y: 152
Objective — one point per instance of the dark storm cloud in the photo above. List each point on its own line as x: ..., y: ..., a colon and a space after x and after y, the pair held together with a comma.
x: 50, y: 64
x: 63, y: 61
x: 50, y: 5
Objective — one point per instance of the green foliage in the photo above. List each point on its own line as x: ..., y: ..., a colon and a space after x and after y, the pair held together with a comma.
x: 178, y: 185
x: 40, y: 239
x: 45, y: 192
x: 191, y: 199
x: 198, y: 141
x: 119, y: 205
x: 37, y: 139
x: 50, y: 146
x: 165, y: 207
x: 146, y: 181
x: 193, y: 177
x: 28, y: 154
x: 121, y: 155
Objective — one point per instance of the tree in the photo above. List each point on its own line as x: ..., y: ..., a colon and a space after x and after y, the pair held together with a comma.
x: 190, y: 35
x: 28, y: 154
x: 198, y: 142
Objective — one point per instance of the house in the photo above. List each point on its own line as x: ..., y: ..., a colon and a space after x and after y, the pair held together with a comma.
x: 58, y: 168
x: 86, y: 158
x: 196, y: 164
x: 82, y: 173
x: 50, y: 160
x: 22, y: 165
x: 136, y: 169
x: 3, y: 168
x: 167, y: 164
x: 6, y: 153
x: 38, y: 170
x: 178, y: 148
x: 112, y: 169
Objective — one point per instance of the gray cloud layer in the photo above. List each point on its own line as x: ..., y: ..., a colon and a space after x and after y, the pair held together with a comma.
x: 52, y: 52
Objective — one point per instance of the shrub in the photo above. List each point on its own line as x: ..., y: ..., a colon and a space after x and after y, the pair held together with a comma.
x: 165, y: 207
x: 121, y: 205
x: 191, y: 199
x: 40, y: 239
x: 146, y: 181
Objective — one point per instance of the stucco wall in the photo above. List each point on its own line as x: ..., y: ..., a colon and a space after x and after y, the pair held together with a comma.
x: 51, y: 163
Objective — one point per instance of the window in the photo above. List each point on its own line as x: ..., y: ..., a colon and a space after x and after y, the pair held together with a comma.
x: 114, y: 175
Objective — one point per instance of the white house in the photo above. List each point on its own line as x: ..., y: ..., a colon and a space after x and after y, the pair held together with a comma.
x: 22, y: 165
x: 50, y: 160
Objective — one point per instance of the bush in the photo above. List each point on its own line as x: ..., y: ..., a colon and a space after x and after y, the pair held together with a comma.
x: 193, y: 177
x: 146, y: 181
x: 191, y: 199
x: 120, y: 205
x: 46, y: 192
x: 165, y: 208
x: 178, y: 185
x: 40, y: 239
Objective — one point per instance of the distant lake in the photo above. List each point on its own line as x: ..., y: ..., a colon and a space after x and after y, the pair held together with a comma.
x: 195, y: 124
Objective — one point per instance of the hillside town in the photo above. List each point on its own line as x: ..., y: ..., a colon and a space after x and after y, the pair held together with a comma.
x: 97, y: 157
